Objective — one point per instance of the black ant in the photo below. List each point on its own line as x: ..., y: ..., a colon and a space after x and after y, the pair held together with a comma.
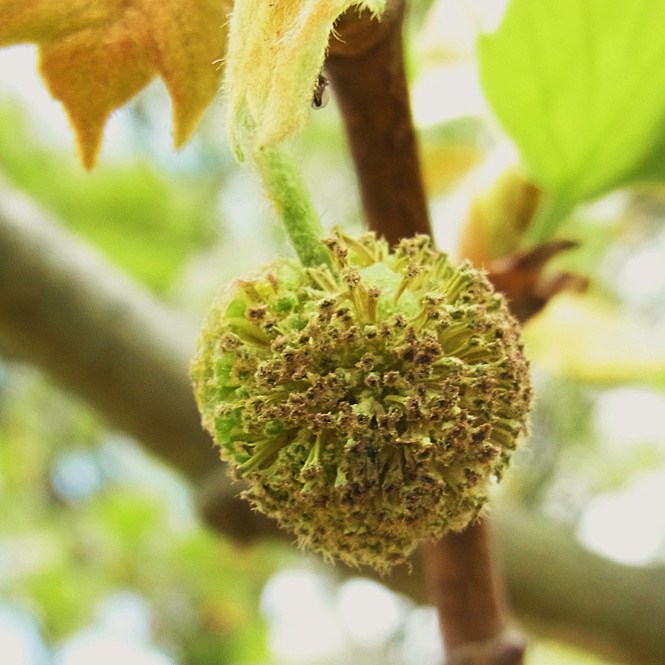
x: 321, y: 93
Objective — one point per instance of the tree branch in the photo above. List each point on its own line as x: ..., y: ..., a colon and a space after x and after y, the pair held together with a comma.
x: 63, y: 307
x: 366, y: 67
x: 102, y: 336
x: 464, y: 585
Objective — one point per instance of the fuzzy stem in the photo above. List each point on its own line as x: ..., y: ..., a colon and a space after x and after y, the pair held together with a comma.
x: 288, y: 194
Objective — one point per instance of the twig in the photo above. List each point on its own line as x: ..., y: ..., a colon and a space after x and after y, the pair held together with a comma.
x: 366, y: 67
x: 463, y: 583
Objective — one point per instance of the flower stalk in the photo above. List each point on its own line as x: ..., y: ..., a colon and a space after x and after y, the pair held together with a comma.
x: 287, y: 191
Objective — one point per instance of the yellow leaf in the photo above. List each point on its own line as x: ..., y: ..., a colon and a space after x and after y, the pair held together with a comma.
x: 95, y: 55
x: 276, y: 50
x: 589, y: 339
x: 444, y: 165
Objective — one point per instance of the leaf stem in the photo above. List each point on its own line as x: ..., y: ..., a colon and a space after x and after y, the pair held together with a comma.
x: 551, y: 213
x: 288, y: 194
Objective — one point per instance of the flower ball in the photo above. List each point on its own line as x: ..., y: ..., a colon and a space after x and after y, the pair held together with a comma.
x: 368, y: 404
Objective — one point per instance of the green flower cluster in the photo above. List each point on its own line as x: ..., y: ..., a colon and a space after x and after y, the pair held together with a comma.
x: 368, y: 406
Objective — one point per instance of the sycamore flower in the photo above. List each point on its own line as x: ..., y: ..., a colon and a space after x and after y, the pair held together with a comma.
x: 368, y: 406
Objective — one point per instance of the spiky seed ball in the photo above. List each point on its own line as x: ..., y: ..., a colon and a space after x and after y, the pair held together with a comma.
x: 367, y: 407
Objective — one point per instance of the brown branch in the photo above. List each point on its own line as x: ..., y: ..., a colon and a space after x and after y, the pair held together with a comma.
x: 556, y: 587
x: 463, y: 584
x: 366, y: 67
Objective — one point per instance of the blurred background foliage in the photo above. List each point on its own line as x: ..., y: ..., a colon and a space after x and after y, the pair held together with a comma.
x: 145, y: 221
x: 102, y: 556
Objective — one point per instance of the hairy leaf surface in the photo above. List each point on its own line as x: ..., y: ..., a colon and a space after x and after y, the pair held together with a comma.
x: 276, y: 50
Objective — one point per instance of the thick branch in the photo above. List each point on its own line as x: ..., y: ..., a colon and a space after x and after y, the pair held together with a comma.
x: 67, y: 310
x: 562, y: 590
x: 63, y: 307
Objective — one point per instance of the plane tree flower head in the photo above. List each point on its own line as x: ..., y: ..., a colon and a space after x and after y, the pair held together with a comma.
x: 368, y: 397
x: 370, y: 403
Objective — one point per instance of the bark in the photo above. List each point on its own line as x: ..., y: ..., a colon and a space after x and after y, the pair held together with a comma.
x: 367, y: 72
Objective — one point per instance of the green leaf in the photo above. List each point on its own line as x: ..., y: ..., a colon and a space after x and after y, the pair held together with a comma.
x: 580, y: 87
x: 145, y: 221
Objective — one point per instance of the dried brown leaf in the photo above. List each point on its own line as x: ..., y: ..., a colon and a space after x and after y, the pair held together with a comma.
x: 95, y: 55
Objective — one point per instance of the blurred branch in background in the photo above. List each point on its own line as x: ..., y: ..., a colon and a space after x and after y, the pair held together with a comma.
x: 98, y: 333
x: 557, y: 588
x: 66, y: 310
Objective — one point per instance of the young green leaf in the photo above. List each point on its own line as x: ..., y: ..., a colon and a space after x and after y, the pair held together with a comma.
x: 95, y: 55
x: 579, y: 85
